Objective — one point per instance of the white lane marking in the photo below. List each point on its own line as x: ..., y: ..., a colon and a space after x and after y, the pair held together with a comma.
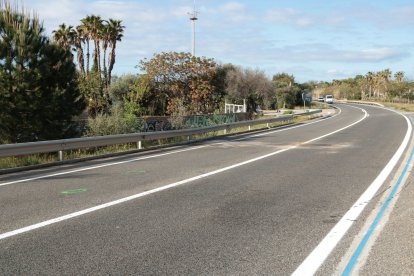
x: 99, y: 166
x: 338, y: 130
x: 280, y: 130
x: 159, y: 189
x: 147, y: 157
x: 316, y: 258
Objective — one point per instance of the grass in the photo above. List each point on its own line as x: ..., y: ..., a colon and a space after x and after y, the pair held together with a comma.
x: 27, y: 160
x: 317, y: 105
x: 37, y: 159
x: 400, y: 106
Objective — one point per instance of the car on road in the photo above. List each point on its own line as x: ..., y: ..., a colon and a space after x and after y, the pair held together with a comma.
x: 321, y: 99
x: 329, y: 99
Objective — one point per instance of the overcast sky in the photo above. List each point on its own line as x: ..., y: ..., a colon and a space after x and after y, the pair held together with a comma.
x: 313, y: 40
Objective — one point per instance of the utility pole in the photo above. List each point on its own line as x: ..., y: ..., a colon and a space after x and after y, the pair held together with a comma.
x: 193, y: 18
x: 304, y: 100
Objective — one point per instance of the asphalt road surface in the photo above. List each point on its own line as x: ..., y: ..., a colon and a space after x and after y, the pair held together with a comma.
x: 256, y: 204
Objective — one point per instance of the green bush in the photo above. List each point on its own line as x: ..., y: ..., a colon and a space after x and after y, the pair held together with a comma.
x: 119, y: 121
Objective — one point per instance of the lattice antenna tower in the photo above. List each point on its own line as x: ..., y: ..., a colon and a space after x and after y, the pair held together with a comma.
x: 193, y: 17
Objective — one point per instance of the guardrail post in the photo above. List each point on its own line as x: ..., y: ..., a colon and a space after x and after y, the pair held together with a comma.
x: 267, y: 125
x: 139, y: 145
x: 60, y: 155
x: 188, y: 137
x: 250, y: 128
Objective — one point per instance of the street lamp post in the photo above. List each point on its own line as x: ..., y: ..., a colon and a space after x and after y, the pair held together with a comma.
x: 193, y: 18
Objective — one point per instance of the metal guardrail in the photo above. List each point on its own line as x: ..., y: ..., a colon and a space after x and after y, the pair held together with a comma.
x: 8, y: 150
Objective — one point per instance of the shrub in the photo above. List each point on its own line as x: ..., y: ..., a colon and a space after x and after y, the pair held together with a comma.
x: 119, y: 121
x: 178, y: 119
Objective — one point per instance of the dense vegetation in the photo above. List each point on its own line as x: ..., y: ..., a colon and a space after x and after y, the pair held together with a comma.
x: 95, y: 78
x: 39, y: 94
x: 45, y: 83
x: 379, y: 86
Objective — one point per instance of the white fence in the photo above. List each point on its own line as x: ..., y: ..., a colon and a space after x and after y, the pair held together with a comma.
x: 235, y: 108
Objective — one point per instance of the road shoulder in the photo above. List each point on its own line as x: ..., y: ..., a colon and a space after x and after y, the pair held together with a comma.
x: 392, y: 252
x: 388, y: 251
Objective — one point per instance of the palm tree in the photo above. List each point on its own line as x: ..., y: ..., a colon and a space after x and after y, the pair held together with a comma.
x: 95, y: 27
x: 105, y: 37
x: 115, y: 34
x: 399, y: 76
x: 369, y: 77
x: 85, y: 28
x: 377, y: 79
x: 63, y: 36
x: 78, y: 40
x: 385, y: 76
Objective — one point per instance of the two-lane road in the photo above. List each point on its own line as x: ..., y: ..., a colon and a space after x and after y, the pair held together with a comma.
x: 247, y: 205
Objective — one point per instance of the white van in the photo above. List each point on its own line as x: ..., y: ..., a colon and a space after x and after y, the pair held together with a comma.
x: 329, y: 99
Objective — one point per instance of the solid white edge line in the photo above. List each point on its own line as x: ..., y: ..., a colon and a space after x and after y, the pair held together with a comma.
x: 148, y: 157
x: 159, y: 189
x: 293, y: 127
x: 316, y: 258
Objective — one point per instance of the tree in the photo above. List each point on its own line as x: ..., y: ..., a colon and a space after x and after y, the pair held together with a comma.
x: 94, y: 24
x: 385, y: 76
x: 380, y: 82
x: 64, y: 36
x: 220, y: 85
x: 121, y: 86
x: 104, y: 34
x: 115, y: 33
x: 85, y: 30
x: 251, y: 85
x: 286, y: 90
x: 372, y: 84
x: 144, y: 93
x: 369, y: 78
x: 78, y: 41
x: 180, y: 78
x: 38, y: 89
x: 91, y: 88
x: 399, y: 76
x: 105, y: 37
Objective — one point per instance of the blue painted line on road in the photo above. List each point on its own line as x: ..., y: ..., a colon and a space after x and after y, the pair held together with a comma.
x: 372, y: 227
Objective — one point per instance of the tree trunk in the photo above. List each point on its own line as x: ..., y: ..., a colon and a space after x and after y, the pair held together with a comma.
x: 87, y: 58
x: 105, y: 73
x: 105, y: 70
x: 81, y: 61
x: 96, y: 59
x: 111, y: 61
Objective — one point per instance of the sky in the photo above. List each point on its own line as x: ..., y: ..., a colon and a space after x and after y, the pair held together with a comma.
x: 309, y: 39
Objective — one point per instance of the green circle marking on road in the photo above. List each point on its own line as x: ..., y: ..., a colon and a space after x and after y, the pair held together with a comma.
x: 74, y: 191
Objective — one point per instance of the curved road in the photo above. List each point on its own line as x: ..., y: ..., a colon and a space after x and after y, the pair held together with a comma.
x: 254, y: 204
